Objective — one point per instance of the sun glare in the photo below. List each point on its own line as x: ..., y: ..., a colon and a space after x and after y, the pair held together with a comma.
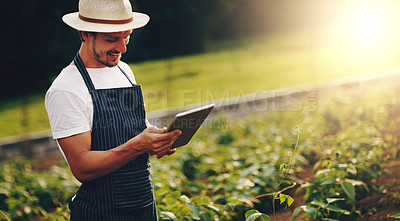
x: 370, y: 26
x: 369, y: 23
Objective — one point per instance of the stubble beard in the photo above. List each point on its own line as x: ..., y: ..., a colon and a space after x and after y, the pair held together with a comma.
x: 104, y: 62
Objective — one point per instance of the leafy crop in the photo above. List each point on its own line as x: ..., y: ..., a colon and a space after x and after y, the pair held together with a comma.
x: 245, y: 168
x: 225, y: 175
x: 351, y: 157
x: 26, y: 193
x: 346, y: 141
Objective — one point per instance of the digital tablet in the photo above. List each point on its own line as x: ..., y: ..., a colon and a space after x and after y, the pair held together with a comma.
x: 188, y: 122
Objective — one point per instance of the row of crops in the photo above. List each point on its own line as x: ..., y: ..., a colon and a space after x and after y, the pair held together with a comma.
x: 234, y: 166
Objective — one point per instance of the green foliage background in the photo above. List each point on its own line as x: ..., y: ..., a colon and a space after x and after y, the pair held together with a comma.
x: 233, y: 165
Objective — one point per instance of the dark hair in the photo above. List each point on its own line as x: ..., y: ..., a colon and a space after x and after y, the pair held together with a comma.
x: 88, y: 32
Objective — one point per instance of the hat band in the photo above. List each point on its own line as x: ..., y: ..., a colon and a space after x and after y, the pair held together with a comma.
x: 104, y: 21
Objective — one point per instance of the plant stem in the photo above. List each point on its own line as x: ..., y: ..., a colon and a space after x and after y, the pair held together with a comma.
x: 286, y: 172
x: 4, y: 215
x: 269, y: 194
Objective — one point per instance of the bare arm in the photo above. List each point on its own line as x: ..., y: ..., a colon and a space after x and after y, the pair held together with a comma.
x: 88, y: 165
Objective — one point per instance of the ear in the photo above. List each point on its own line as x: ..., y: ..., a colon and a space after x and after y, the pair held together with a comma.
x: 84, y: 35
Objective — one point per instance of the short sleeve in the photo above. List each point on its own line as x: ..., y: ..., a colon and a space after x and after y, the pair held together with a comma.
x: 68, y: 114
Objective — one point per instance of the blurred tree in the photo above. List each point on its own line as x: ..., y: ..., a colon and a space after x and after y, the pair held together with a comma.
x: 179, y: 27
x: 37, y: 44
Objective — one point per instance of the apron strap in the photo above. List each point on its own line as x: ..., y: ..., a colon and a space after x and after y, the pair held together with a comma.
x: 85, y: 75
x: 126, y: 75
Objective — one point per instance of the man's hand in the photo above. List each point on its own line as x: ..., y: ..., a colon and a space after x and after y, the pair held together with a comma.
x: 156, y: 141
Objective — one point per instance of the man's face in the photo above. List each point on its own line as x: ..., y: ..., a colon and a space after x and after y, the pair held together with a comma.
x: 107, y: 48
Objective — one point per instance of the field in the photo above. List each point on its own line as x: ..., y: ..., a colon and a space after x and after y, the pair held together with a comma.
x: 345, y: 167
x: 229, y: 69
x: 340, y: 162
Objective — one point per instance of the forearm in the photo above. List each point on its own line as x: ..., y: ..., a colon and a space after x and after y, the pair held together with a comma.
x: 87, y: 164
x: 95, y: 164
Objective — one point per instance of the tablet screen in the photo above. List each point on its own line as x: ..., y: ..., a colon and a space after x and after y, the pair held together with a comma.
x: 189, y: 122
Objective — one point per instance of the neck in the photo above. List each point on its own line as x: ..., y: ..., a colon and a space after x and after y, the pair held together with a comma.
x: 88, y: 58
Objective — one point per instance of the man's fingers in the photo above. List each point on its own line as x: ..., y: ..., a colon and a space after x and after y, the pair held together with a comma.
x: 159, y: 142
x: 167, y: 145
x: 168, y: 152
x: 173, y: 135
x: 154, y: 129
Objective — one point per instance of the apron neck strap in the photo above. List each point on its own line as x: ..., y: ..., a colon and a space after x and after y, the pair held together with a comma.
x: 126, y: 75
x: 85, y: 75
x: 82, y: 69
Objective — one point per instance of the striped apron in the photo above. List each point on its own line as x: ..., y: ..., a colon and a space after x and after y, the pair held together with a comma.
x: 127, y: 193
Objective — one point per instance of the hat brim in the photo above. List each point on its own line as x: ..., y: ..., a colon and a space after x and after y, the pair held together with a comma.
x: 73, y: 20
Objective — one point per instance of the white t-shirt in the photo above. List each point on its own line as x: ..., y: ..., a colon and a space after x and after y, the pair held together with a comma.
x: 68, y: 102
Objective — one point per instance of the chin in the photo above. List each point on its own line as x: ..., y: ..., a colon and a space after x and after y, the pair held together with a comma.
x: 110, y: 64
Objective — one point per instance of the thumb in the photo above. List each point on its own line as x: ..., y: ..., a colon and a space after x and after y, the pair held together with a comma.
x: 154, y: 129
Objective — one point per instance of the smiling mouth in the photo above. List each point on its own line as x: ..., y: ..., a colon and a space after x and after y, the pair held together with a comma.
x: 114, y: 55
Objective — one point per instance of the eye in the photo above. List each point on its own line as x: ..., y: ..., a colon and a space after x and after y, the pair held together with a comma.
x: 112, y: 40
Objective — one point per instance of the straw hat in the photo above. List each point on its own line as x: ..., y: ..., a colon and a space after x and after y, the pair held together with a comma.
x: 105, y: 16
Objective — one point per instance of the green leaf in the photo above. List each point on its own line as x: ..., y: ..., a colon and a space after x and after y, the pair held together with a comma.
x: 318, y: 203
x: 282, y: 198
x: 206, y: 216
x: 290, y: 200
x: 248, y: 213
x: 357, y: 183
x: 396, y: 216
x: 265, y: 217
x: 168, y: 216
x: 349, y: 189
x: 327, y: 182
x: 331, y: 200
x: 310, y: 211
x: 337, y: 209
x: 5, y: 191
x: 296, y: 213
x: 252, y: 215
x: 322, y: 172
x: 212, y: 207
x: 352, y: 169
x: 195, y: 211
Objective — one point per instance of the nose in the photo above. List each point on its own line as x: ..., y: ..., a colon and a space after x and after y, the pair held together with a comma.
x: 121, y: 46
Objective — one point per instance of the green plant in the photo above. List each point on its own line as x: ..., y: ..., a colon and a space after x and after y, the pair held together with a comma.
x: 283, y: 197
x: 349, y: 162
x: 218, y: 174
x: 278, y: 194
x: 252, y: 215
x: 26, y: 193
x: 61, y: 213
x: 396, y: 216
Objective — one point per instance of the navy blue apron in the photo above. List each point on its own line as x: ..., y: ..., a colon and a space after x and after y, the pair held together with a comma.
x: 127, y: 193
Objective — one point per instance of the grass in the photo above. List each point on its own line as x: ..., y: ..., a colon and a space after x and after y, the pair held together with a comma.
x: 254, y: 65
x: 16, y: 120
x: 243, y: 66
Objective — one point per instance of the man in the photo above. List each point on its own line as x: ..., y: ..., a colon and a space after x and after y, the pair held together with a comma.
x: 97, y: 116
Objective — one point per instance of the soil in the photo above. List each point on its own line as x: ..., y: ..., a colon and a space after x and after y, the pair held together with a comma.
x: 382, y: 205
x: 377, y: 206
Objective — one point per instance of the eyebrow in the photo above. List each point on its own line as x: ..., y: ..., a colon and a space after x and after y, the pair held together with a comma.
x: 116, y: 37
